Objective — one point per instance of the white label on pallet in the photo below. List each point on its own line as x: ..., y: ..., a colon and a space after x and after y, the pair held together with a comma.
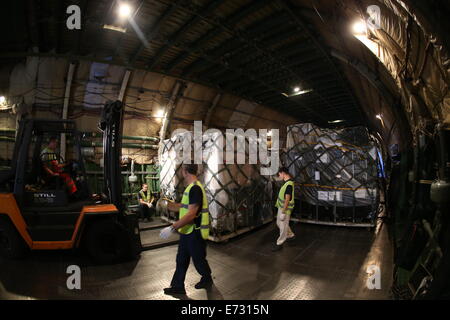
x: 339, y: 195
x: 324, y: 158
x: 331, y: 195
x: 373, y: 153
x: 322, y: 195
x: 317, y: 175
x: 372, y: 192
x: 361, y: 194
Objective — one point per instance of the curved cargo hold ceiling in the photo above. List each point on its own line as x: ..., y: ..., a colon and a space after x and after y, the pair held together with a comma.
x: 257, y: 51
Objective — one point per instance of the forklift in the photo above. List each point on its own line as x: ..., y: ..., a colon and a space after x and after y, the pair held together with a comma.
x: 36, y: 212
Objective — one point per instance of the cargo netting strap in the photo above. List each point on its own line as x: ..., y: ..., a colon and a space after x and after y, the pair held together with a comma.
x: 333, y: 167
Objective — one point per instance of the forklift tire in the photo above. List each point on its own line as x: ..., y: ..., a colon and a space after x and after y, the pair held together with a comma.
x: 106, y: 242
x: 12, y: 245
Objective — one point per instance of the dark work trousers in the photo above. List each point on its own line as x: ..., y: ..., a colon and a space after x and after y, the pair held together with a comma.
x: 191, y: 245
x: 145, y: 211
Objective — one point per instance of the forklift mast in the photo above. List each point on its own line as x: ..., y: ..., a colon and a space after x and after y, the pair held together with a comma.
x: 111, y: 124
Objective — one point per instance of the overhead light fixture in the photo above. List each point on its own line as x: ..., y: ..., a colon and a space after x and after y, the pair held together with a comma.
x: 3, y: 103
x: 159, y: 113
x: 114, y: 28
x: 336, y: 121
x: 124, y: 10
x: 300, y: 92
x: 360, y: 28
x: 380, y: 117
x: 296, y: 89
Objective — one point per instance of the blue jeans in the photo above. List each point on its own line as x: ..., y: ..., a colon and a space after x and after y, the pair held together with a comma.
x: 191, y: 245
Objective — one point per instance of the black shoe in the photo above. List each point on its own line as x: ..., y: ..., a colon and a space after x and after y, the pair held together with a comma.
x: 172, y: 290
x: 277, y: 248
x: 204, y: 284
x: 291, y: 239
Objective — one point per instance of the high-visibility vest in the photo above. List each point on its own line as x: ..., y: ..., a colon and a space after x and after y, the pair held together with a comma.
x: 48, y: 155
x: 281, y: 195
x: 144, y: 197
x: 204, y: 219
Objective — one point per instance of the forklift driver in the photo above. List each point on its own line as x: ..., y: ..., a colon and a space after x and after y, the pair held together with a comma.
x: 53, y: 168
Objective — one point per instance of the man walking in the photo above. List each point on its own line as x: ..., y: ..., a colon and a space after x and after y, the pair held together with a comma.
x: 193, y: 226
x: 285, y: 205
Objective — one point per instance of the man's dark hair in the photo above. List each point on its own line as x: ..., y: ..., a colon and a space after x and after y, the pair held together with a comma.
x: 52, y: 138
x: 191, y: 168
x: 283, y: 170
x: 144, y: 184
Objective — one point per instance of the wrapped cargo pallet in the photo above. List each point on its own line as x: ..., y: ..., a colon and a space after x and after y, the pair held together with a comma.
x: 336, y: 174
x: 239, y: 197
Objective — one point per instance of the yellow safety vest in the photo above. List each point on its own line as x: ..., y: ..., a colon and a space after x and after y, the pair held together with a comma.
x: 281, y: 194
x: 145, y: 198
x: 204, y: 223
x: 48, y: 155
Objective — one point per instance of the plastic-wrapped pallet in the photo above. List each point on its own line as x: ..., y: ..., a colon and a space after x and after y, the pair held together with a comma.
x: 334, y: 169
x: 239, y: 197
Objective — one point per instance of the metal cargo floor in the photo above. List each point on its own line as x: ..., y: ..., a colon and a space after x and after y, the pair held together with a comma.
x: 322, y: 263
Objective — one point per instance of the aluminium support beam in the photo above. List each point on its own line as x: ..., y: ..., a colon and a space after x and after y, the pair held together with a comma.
x: 211, y: 109
x: 232, y: 20
x: 212, y: 5
x: 295, y: 16
x: 170, y: 106
x: 124, y: 85
x: 368, y: 74
x: 153, y: 30
x: 66, y: 107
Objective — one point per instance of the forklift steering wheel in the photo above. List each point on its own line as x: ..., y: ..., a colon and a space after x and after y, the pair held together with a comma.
x: 61, y: 159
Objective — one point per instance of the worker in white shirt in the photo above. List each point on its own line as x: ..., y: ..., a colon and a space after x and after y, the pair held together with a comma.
x: 285, y: 205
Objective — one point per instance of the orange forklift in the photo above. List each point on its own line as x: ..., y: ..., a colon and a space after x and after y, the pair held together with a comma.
x: 37, y: 213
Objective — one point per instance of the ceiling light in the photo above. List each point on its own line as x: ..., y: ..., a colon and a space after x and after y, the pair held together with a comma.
x: 379, y: 117
x: 336, y: 121
x: 114, y: 28
x: 296, y: 89
x: 360, y: 28
x: 300, y: 92
x: 159, y: 113
x: 2, y: 100
x: 124, y: 10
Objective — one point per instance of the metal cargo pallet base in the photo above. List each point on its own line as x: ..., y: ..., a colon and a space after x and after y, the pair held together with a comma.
x: 230, y: 235
x: 339, y: 224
